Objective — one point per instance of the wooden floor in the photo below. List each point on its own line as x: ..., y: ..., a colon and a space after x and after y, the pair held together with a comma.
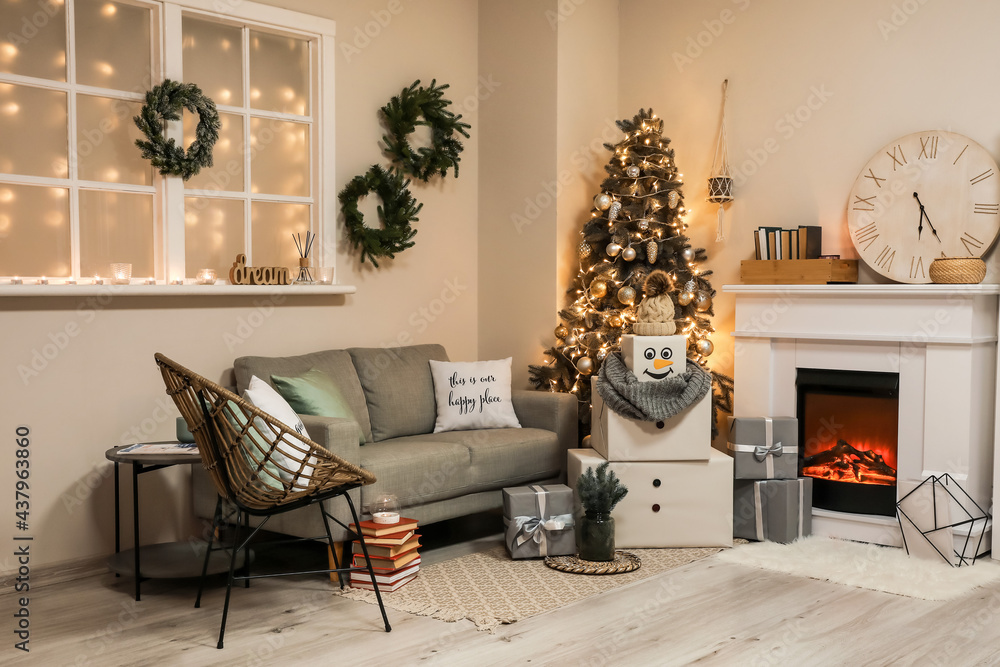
x: 706, y: 613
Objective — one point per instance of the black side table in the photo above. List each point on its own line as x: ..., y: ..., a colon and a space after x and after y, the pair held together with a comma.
x: 159, y: 561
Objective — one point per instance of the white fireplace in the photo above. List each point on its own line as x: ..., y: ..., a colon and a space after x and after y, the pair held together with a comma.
x: 940, y: 339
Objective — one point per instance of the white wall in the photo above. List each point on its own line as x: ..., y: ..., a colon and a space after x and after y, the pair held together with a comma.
x: 104, y: 386
x: 823, y: 85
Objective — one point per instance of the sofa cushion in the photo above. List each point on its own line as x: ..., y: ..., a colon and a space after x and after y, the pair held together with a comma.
x: 503, y: 456
x: 415, y: 472
x: 315, y: 393
x: 398, y: 388
x: 472, y: 395
x: 335, y: 363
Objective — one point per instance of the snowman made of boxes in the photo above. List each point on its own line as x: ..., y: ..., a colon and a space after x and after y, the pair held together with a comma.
x: 652, y: 420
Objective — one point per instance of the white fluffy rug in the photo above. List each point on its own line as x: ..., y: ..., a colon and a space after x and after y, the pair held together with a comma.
x: 865, y: 566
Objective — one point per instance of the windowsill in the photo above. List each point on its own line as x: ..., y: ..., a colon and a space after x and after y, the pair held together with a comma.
x: 172, y: 290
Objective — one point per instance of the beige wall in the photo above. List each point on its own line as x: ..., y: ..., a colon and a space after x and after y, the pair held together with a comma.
x: 104, y: 386
x: 815, y: 88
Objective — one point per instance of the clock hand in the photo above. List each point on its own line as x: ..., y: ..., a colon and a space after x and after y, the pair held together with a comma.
x: 924, y: 216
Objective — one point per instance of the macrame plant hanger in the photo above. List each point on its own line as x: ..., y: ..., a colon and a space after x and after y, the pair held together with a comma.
x: 720, y: 183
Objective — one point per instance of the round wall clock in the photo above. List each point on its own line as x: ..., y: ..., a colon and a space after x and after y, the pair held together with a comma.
x: 924, y: 196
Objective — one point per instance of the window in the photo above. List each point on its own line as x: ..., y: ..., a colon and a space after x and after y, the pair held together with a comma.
x: 75, y: 194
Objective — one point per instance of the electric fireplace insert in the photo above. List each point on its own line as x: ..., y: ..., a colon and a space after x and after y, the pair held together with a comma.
x: 848, y: 438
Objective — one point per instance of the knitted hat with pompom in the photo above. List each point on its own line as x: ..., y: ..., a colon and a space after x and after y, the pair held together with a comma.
x: 655, y: 314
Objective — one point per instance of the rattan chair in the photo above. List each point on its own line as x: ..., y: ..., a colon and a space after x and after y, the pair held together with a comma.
x: 263, y: 468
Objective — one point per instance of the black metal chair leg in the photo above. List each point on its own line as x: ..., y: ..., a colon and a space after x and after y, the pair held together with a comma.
x: 342, y: 576
x: 232, y: 571
x: 368, y: 562
x: 216, y: 522
x: 246, y: 553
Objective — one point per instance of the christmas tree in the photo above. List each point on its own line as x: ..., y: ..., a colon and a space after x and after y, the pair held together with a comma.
x: 636, y: 226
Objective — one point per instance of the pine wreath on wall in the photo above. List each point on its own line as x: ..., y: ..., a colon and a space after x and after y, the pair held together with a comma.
x: 397, y: 211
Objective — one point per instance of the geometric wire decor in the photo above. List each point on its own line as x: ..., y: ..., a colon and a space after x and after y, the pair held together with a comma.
x: 927, y: 511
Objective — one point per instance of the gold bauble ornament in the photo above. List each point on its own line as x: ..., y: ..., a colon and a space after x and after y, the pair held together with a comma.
x: 704, y: 347
x: 615, y: 321
x: 685, y: 297
x: 702, y: 302
x: 613, y: 249
x: 602, y: 201
x: 586, y: 442
x: 561, y: 331
x: 585, y: 365
x: 598, y: 289
x: 673, y: 199
x: 626, y: 295
x: 584, y: 249
x: 632, y: 171
x: 602, y: 354
x: 652, y: 250
x: 688, y: 254
x: 571, y: 340
x: 628, y: 254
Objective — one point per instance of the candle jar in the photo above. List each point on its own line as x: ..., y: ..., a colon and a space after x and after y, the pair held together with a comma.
x: 385, y: 509
x: 206, y: 277
x: 121, y: 274
x: 324, y: 275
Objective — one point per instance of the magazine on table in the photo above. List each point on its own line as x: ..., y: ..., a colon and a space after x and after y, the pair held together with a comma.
x: 161, y: 448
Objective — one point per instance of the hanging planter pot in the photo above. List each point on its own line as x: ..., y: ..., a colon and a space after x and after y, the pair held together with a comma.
x: 720, y: 189
x: 720, y: 183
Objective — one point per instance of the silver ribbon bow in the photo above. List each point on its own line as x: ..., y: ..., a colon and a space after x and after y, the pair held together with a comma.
x: 536, y: 527
x: 761, y: 452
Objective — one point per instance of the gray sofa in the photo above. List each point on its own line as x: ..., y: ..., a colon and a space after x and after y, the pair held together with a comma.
x: 435, y: 476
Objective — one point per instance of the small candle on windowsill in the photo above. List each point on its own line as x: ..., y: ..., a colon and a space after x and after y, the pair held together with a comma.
x: 150, y: 281
x: 42, y: 281
x: 16, y: 281
x: 177, y: 281
x: 98, y: 280
x: 71, y: 281
x: 206, y: 277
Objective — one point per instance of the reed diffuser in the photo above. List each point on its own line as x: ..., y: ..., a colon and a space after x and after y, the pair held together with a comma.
x: 304, y: 248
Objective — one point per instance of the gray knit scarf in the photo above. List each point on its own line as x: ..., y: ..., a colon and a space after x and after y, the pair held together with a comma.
x: 650, y: 401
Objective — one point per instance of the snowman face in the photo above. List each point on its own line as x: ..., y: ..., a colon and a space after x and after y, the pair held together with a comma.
x: 659, y: 364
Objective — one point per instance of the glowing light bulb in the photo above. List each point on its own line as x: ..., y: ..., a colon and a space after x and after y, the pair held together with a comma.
x: 109, y: 10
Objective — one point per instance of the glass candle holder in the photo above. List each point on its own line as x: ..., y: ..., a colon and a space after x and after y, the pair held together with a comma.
x: 16, y: 281
x: 98, y: 280
x: 177, y: 281
x: 121, y: 274
x: 71, y: 281
x: 43, y: 281
x: 206, y: 277
x: 324, y: 275
x: 149, y: 281
x: 385, y: 509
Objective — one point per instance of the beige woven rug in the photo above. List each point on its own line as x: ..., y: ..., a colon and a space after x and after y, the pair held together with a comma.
x: 490, y: 589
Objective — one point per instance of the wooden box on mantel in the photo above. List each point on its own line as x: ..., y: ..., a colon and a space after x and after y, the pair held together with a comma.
x: 798, y: 271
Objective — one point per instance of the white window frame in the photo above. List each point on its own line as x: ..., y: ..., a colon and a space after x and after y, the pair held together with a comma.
x: 169, y: 192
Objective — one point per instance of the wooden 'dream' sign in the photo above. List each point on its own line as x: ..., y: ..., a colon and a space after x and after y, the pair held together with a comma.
x: 241, y: 274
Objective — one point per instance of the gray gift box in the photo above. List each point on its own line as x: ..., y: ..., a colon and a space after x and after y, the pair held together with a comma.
x: 764, y: 447
x: 776, y: 510
x: 539, y: 521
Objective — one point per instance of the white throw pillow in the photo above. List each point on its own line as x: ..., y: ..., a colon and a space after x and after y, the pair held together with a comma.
x: 264, y: 397
x: 473, y: 394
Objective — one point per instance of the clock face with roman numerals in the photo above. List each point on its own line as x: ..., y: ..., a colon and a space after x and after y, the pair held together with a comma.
x: 924, y: 196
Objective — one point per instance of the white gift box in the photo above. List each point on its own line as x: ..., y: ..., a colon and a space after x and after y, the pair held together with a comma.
x: 684, y: 437
x: 653, y: 358
x: 669, y: 503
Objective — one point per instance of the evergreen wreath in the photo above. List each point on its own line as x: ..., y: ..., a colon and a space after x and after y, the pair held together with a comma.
x: 404, y: 112
x: 164, y: 103
x: 397, y: 211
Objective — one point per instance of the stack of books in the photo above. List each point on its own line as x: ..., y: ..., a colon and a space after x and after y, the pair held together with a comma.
x: 805, y: 242
x: 392, y: 548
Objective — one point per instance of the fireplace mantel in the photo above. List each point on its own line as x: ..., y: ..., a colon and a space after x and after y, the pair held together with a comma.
x: 941, y: 339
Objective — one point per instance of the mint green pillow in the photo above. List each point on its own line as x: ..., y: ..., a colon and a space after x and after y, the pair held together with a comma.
x: 235, y: 416
x: 315, y: 393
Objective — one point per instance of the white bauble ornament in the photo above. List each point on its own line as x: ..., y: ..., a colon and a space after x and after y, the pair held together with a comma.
x: 704, y: 347
x: 571, y: 340
x: 632, y: 171
x: 688, y: 254
x: 613, y: 249
x: 628, y: 254
x: 643, y: 224
x: 586, y: 442
x: 602, y: 201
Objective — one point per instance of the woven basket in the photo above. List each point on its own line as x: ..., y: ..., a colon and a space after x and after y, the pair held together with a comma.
x: 957, y: 270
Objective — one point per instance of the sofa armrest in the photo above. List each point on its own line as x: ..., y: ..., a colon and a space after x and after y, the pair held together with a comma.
x: 549, y: 410
x: 335, y: 434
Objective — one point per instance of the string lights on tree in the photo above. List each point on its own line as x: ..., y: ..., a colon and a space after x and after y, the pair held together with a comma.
x: 636, y: 225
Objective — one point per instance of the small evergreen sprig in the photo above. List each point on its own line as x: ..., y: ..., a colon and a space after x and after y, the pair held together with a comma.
x: 600, y: 492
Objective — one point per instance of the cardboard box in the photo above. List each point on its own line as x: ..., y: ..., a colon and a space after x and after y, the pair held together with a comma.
x: 539, y: 521
x: 684, y: 437
x: 764, y: 447
x: 654, y: 358
x: 776, y: 510
x: 669, y: 503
